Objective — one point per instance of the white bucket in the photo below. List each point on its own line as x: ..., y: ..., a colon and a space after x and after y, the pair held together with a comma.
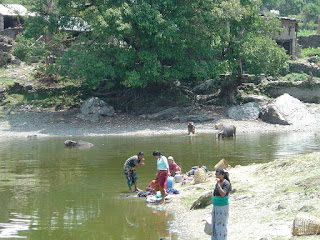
x: 178, y: 177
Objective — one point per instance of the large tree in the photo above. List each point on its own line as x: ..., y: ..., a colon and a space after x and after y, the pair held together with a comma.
x: 246, y: 43
x: 136, y: 43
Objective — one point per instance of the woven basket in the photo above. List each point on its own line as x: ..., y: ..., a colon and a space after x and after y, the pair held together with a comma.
x: 200, y: 176
x: 222, y: 164
x: 305, y: 224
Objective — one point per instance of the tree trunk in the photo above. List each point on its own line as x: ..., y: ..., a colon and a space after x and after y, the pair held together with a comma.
x: 230, y: 85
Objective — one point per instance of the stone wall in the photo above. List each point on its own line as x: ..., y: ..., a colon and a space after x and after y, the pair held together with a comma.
x: 11, y: 32
x: 1, y: 22
x: 309, y: 41
x: 307, y: 68
x: 298, y: 90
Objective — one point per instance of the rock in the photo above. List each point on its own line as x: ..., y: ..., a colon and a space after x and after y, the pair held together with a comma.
x: 94, y: 109
x: 256, y: 98
x: 195, y: 118
x: 8, y: 111
x: 249, y: 111
x: 204, y: 87
x: 15, y: 61
x: 32, y: 136
x: 202, y: 201
x: 287, y: 110
x: 280, y: 207
x: 167, y: 114
x: 58, y: 107
x: 306, y: 208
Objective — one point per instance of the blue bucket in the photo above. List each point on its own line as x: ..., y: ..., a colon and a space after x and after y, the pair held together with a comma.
x: 170, y: 182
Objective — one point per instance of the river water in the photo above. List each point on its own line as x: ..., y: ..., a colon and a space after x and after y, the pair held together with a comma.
x: 48, y: 191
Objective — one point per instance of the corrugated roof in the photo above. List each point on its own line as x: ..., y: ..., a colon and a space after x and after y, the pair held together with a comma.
x: 14, y: 10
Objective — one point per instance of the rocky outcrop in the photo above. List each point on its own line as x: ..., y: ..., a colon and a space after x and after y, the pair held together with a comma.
x: 299, y: 90
x: 205, y: 87
x: 307, y: 68
x: 94, y: 109
x: 286, y: 110
x: 249, y: 111
x: 180, y: 114
x: 167, y: 114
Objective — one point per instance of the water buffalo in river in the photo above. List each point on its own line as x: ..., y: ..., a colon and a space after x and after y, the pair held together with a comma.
x: 83, y: 144
x: 226, y: 131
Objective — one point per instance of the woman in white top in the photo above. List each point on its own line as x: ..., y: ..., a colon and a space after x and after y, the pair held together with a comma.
x: 162, y: 173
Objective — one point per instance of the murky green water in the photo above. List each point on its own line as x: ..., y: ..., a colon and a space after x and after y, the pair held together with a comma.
x: 48, y: 191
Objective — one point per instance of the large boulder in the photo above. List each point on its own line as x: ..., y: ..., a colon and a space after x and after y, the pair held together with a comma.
x: 194, y: 118
x: 205, y: 87
x: 286, y: 110
x: 94, y: 109
x: 167, y: 114
x: 249, y: 111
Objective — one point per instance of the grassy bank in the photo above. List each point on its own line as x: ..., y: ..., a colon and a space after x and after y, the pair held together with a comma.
x: 265, y: 201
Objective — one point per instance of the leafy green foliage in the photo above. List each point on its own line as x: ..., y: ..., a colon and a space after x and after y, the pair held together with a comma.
x: 138, y: 44
x: 143, y: 43
x: 311, y: 12
x: 305, y: 32
x: 263, y: 55
x: 308, y: 11
x: 308, y: 52
x: 295, y: 77
x: 26, y: 48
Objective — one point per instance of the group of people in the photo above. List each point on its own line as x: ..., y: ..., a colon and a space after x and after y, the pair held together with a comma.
x: 168, y: 167
x: 165, y: 167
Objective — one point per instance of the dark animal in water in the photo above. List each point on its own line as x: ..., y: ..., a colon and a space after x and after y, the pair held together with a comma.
x: 191, y: 128
x: 71, y: 143
x: 226, y: 131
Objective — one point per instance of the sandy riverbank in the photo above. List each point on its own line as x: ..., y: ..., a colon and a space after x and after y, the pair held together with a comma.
x: 65, y: 123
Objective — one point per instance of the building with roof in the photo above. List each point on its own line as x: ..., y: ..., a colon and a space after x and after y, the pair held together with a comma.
x: 288, y: 37
x: 12, y: 19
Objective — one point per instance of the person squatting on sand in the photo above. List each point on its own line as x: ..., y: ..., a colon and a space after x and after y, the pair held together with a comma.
x: 162, y: 173
x: 129, y: 170
x: 220, y: 210
x: 173, y: 167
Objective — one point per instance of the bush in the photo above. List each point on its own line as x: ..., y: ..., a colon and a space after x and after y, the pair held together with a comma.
x: 314, y: 59
x: 27, y: 49
x: 306, y: 32
x: 295, y: 77
x: 309, y: 26
x: 309, y: 52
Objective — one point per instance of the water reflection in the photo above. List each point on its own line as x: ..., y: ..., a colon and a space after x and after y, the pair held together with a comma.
x: 17, y: 223
x: 52, y: 192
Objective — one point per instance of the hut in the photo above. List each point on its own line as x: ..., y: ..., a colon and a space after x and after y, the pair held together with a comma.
x: 12, y: 19
x: 288, y: 37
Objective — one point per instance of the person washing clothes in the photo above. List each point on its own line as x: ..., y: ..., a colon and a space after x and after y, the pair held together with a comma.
x: 173, y: 166
x: 162, y: 173
x: 129, y: 170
